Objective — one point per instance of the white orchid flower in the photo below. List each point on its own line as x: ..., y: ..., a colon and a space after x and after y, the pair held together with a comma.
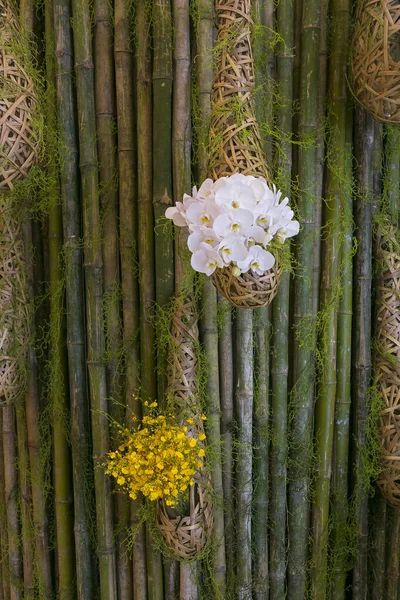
x: 202, y: 214
x: 206, y: 190
x: 177, y: 214
x: 235, y: 196
x: 258, y: 260
x: 288, y: 230
x: 202, y: 236
x: 233, y: 249
x: 234, y: 221
x: 257, y: 235
x: 206, y: 260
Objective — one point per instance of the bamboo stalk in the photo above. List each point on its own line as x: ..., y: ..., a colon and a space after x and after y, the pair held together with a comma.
x: 162, y: 167
x: 330, y: 288
x: 5, y: 573
x: 361, y: 372
x: 376, y: 558
x: 124, y: 61
x: 280, y: 315
x: 244, y: 415
x: 106, y: 146
x: 261, y: 454
x: 74, y: 296
x: 58, y: 355
x: 226, y: 397
x: 146, y: 248
x: 25, y: 500
x: 209, y: 329
x: 303, y: 316
x: 339, y: 493
x: 11, y: 501
x: 392, y: 553
x: 94, y: 290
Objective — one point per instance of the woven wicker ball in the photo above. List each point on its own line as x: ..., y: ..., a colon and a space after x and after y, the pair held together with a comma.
x: 19, y: 142
x: 248, y: 290
x: 376, y: 58
x: 188, y: 535
x: 387, y: 370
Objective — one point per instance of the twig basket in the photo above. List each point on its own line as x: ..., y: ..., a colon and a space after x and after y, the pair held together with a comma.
x: 387, y: 372
x: 235, y: 143
x: 186, y: 534
x: 376, y: 58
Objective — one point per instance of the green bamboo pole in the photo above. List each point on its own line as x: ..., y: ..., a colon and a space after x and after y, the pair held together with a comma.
x: 339, y: 492
x: 128, y: 224
x: 376, y: 556
x: 262, y: 322
x: 75, y: 337
x: 106, y: 146
x: 361, y: 370
x: 392, y: 553
x: 226, y: 397
x: 146, y: 247
x: 243, y: 483
x: 303, y: 316
x: 32, y: 397
x: 335, y: 206
x: 280, y: 315
x: 209, y: 325
x: 162, y: 166
x: 58, y: 355
x: 5, y: 573
x: 25, y: 499
x: 264, y: 66
x: 94, y: 290
x: 11, y: 501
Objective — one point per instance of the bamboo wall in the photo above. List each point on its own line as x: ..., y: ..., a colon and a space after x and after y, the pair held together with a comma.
x: 287, y: 390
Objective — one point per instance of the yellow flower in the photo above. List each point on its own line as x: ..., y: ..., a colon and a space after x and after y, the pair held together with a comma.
x: 112, y: 455
x: 202, y: 436
x: 190, y: 421
x: 192, y: 442
x: 204, y: 417
x: 121, y: 480
x: 201, y: 452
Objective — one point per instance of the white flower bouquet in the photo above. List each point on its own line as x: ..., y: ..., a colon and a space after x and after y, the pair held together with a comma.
x: 232, y: 223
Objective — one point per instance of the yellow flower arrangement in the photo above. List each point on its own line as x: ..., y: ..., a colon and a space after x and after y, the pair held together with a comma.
x: 159, y: 458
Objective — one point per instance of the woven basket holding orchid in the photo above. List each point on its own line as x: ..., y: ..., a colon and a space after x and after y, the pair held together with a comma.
x: 237, y: 220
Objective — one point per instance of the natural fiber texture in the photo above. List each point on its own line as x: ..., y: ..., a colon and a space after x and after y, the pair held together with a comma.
x: 186, y: 534
x: 19, y: 141
x: 248, y: 290
x: 14, y: 307
x: 376, y: 55
x: 235, y: 144
x: 387, y: 372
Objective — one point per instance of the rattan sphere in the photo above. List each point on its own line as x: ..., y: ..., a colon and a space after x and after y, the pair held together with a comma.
x: 387, y: 370
x: 376, y: 58
x: 19, y: 142
x: 248, y: 290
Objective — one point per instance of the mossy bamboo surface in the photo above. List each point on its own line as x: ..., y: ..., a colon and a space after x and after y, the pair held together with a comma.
x: 11, y: 500
x: 74, y: 295
x: 124, y: 65
x: 5, y: 577
x: 244, y: 460
x: 225, y: 352
x: 146, y: 248
x: 162, y: 166
x: 392, y: 553
x: 93, y: 266
x: 339, y: 491
x: 209, y: 324
x: 335, y: 195
x: 261, y: 416
x: 377, y: 519
x: 58, y: 352
x: 303, y: 317
x: 25, y: 500
x: 280, y: 315
x: 361, y: 370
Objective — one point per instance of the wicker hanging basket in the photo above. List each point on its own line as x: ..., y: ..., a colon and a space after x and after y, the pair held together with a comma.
x: 376, y: 58
x: 235, y: 143
x: 387, y: 371
x: 187, y: 534
x: 19, y: 139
